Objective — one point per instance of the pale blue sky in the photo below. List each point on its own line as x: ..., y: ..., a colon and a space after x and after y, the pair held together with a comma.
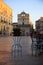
x: 33, y: 7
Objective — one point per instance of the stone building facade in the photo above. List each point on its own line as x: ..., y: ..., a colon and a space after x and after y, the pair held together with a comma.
x: 24, y: 18
x: 39, y: 25
x: 24, y: 24
x: 5, y: 19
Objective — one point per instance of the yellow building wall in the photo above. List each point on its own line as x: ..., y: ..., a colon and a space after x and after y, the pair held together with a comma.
x: 5, y: 15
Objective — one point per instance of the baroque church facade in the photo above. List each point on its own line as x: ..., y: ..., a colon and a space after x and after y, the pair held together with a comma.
x: 24, y: 24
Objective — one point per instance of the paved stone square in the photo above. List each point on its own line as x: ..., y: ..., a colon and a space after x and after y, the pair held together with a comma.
x: 7, y: 57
